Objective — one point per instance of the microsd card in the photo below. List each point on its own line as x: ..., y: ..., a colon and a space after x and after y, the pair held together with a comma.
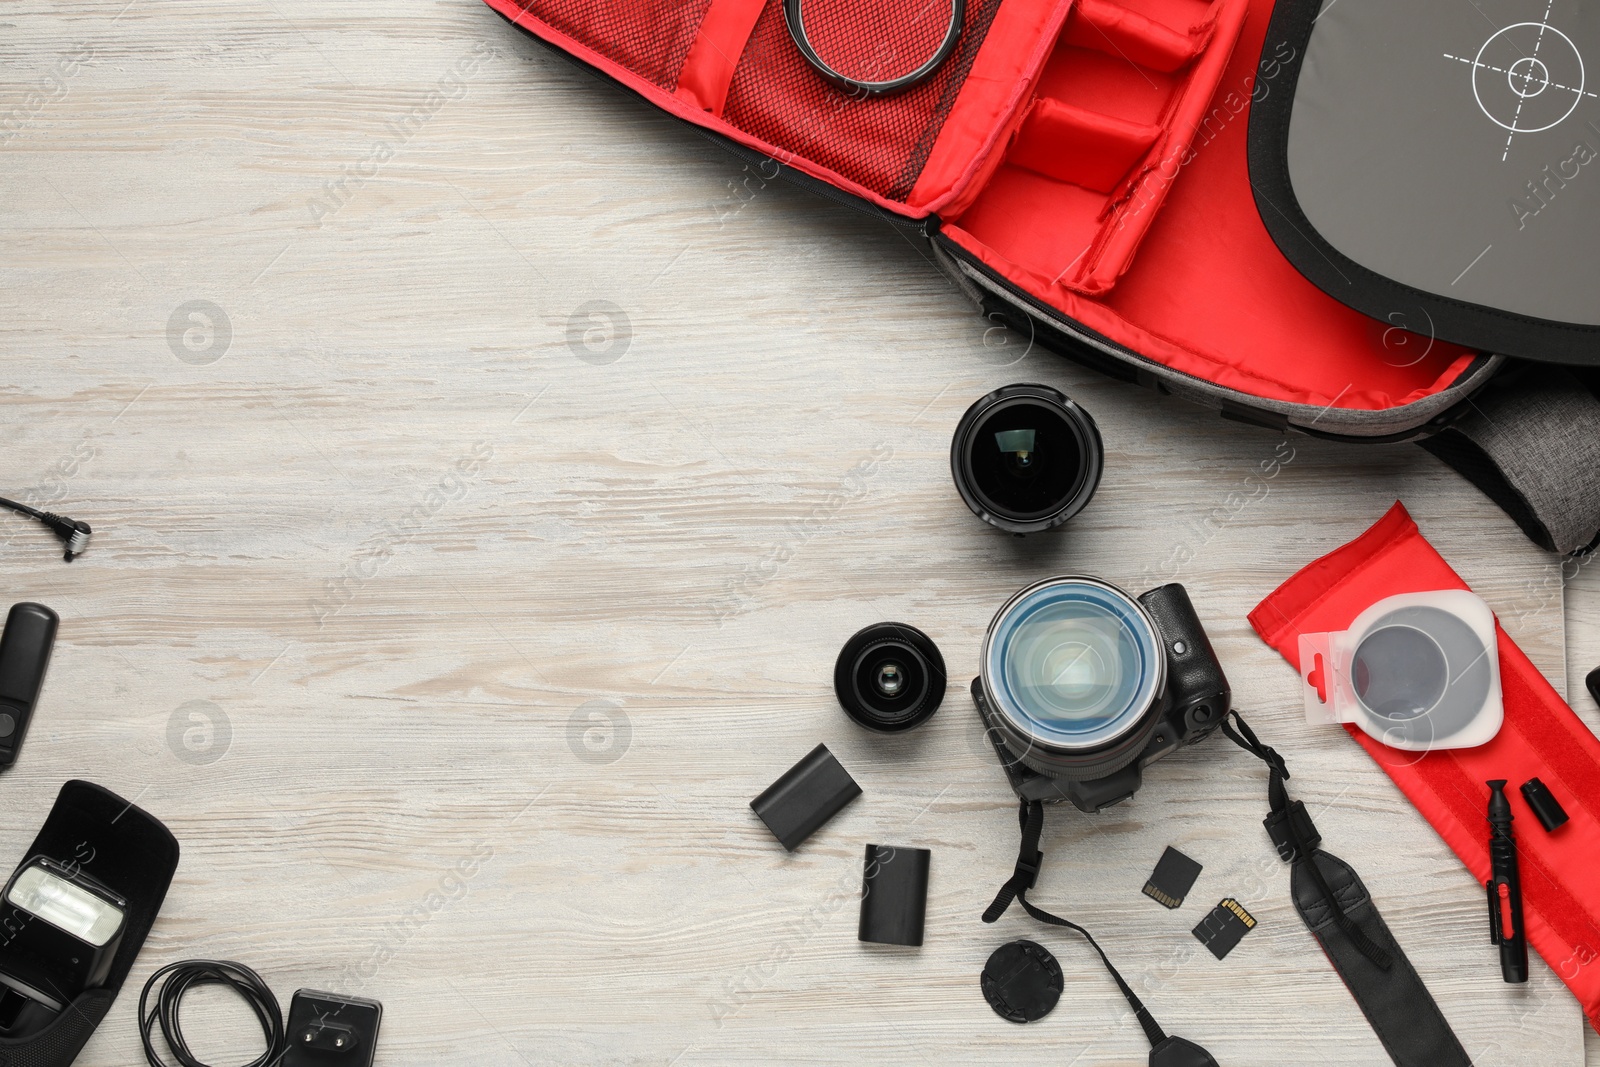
x: 1225, y: 927
x: 1173, y: 878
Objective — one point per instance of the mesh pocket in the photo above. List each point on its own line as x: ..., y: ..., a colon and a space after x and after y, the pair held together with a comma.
x: 649, y: 37
x: 59, y: 1043
x: 881, y: 143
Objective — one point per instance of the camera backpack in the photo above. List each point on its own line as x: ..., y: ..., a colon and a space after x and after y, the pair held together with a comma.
x: 1080, y: 168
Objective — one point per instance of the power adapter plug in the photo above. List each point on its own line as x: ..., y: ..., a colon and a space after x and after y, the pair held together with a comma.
x: 331, y: 1030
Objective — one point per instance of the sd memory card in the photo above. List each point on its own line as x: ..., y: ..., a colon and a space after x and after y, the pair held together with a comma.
x: 1225, y: 927
x: 1173, y: 878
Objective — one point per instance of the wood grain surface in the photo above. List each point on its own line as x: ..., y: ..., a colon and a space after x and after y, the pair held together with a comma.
x: 1581, y: 595
x: 477, y: 520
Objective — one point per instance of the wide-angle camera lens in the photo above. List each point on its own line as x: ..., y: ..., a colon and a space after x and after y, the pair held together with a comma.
x: 889, y: 677
x: 1074, y: 669
x: 1026, y: 458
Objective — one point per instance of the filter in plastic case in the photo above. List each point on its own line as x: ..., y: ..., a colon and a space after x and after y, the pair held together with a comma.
x: 1417, y: 672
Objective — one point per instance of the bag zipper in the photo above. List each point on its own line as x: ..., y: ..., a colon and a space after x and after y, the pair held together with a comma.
x: 1234, y: 410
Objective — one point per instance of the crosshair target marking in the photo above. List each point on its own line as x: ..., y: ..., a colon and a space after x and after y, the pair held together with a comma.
x: 1527, y: 78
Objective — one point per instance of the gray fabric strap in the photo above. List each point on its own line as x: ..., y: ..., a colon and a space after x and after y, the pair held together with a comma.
x: 1533, y: 446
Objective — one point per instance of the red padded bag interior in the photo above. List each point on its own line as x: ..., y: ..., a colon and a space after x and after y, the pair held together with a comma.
x: 1092, y: 153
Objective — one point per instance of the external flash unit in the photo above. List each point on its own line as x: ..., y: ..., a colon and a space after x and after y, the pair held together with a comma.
x: 62, y: 930
x: 73, y: 916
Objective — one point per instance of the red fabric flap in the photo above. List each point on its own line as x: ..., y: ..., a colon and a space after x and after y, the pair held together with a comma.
x: 1138, y: 38
x: 1072, y: 144
x: 708, y: 68
x: 1542, y: 738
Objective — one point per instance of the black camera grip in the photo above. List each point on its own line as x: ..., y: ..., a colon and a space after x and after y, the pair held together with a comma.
x: 1196, y: 685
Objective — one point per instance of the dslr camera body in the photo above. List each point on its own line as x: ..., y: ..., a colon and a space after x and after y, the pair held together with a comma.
x: 1083, y: 686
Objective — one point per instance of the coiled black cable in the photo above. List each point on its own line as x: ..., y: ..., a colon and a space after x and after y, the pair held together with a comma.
x: 184, y: 976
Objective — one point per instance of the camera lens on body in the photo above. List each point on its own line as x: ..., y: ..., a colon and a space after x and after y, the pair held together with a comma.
x: 1025, y: 458
x: 1074, y: 670
x: 889, y: 677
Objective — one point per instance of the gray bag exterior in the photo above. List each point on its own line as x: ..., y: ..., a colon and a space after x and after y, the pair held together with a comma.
x: 1532, y: 444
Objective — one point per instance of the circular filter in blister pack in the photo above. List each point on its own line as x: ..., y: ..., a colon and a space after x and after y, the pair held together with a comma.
x: 1417, y: 672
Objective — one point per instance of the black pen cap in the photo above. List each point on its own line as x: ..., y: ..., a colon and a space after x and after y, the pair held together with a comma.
x: 1546, y: 807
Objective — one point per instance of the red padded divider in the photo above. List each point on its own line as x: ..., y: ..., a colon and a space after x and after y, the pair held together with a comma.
x: 703, y: 80
x: 1112, y: 28
x: 1208, y: 293
x: 1085, y: 148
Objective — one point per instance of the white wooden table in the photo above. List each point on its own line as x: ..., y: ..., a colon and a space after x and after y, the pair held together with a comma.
x: 475, y: 538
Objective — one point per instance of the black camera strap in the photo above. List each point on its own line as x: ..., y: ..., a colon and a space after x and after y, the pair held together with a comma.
x: 1295, y: 835
x: 1165, y: 1050
x: 1329, y: 897
x: 1336, y: 907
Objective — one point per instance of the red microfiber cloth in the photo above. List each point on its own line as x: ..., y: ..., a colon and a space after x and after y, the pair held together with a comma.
x: 1542, y: 738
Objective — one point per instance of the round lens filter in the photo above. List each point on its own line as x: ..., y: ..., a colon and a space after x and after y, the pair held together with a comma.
x: 867, y: 51
x: 1417, y: 672
x: 1422, y: 673
x: 1074, y: 663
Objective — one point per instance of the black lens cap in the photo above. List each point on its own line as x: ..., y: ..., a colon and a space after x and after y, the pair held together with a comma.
x: 1022, y: 981
x: 889, y: 677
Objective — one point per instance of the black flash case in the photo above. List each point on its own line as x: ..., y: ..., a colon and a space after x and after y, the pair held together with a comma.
x: 25, y: 647
x: 121, y: 847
